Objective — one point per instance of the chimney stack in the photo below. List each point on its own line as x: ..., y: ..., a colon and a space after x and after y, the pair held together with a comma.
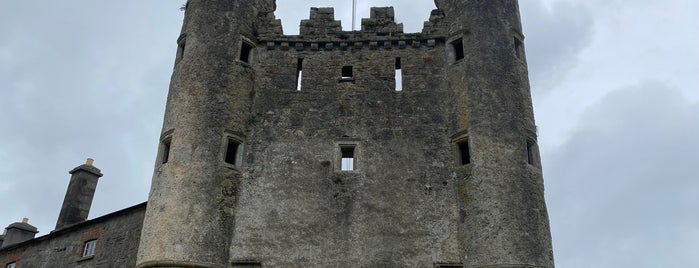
x: 78, y: 199
x: 18, y: 232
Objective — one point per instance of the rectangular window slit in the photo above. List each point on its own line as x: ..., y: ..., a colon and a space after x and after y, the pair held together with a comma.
x: 180, y: 50
x: 347, y: 152
x: 347, y: 72
x: 531, y: 152
x: 166, y: 150
x: 232, y: 151
x: 399, y: 75
x: 89, y: 248
x: 464, y: 152
x: 299, y: 74
x: 247, y: 265
x: 245, y: 52
x: 519, y: 48
x: 458, y: 46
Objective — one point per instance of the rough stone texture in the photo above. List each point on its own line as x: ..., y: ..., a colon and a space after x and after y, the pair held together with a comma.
x: 117, y: 237
x: 408, y: 203
x: 18, y: 232
x: 78, y: 199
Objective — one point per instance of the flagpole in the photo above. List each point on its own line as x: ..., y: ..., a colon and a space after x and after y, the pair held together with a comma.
x: 354, y: 13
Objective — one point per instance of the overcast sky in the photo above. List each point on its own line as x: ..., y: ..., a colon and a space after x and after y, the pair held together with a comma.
x: 614, y: 82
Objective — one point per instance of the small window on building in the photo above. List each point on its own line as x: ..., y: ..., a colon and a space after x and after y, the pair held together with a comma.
x: 246, y: 52
x: 247, y: 265
x: 180, y: 50
x: 232, y: 151
x: 458, y: 46
x: 464, y: 152
x: 399, y: 75
x: 448, y: 265
x: 347, y: 72
x: 89, y: 248
x: 519, y: 49
x: 299, y: 74
x: 166, y: 150
x: 11, y: 265
x: 531, y: 152
x: 347, y: 152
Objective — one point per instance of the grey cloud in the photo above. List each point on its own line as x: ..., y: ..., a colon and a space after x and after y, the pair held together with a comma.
x: 554, y: 39
x: 624, y: 185
x: 81, y: 79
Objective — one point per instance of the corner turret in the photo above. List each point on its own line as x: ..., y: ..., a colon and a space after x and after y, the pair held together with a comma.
x: 191, y: 206
x: 501, y: 196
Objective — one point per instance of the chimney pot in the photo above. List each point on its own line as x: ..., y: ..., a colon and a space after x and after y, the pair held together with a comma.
x: 89, y: 161
x: 25, y: 220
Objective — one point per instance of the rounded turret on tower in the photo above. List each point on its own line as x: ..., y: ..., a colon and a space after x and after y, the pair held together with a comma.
x: 193, y: 195
x: 504, y: 219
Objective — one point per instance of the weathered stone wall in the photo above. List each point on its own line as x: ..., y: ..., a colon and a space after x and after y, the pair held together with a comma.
x: 409, y: 202
x: 117, y: 237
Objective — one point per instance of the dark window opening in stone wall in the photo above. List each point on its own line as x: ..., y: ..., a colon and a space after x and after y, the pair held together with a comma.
x: 245, y: 52
x: 180, y: 50
x: 458, y: 46
x: 531, y: 152
x: 247, y: 265
x: 450, y: 265
x: 347, y: 72
x: 11, y: 265
x: 89, y: 248
x: 519, y: 49
x: 232, y: 151
x: 166, y: 150
x: 347, y: 152
x: 299, y: 74
x: 464, y: 152
x: 399, y: 75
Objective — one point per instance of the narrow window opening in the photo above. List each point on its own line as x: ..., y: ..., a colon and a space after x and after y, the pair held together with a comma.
x: 245, y: 52
x: 442, y: 265
x: 458, y: 46
x: 299, y: 74
x: 11, y: 265
x: 180, y: 50
x: 232, y: 151
x: 347, y: 72
x: 464, y: 152
x: 247, y: 265
x: 531, y: 152
x: 399, y: 75
x: 166, y: 150
x: 347, y: 152
x: 519, y: 49
x: 89, y: 248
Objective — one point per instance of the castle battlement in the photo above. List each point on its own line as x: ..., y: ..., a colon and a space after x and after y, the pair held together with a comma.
x: 332, y: 148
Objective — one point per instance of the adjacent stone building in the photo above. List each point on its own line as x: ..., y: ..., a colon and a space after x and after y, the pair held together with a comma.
x: 332, y: 148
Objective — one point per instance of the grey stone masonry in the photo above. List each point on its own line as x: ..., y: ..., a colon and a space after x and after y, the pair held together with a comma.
x: 115, y: 237
x: 18, y: 232
x: 382, y: 22
x: 78, y: 199
x: 321, y: 22
x: 332, y: 148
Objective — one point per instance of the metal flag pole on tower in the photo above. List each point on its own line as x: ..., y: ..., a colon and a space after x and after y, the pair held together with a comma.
x: 354, y: 12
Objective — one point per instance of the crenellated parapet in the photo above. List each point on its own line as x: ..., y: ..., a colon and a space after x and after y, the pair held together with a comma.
x: 436, y: 23
x: 382, y: 22
x: 321, y: 22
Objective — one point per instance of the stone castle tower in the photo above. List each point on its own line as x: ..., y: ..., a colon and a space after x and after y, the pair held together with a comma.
x: 371, y: 148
